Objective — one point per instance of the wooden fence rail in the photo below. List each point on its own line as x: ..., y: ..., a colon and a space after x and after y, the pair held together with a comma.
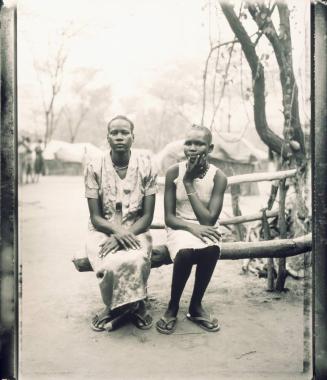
x: 229, y: 221
x: 253, y: 177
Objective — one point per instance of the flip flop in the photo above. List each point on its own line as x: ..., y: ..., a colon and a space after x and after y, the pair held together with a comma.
x: 199, y: 321
x: 165, y: 330
x: 142, y: 322
x: 98, y: 324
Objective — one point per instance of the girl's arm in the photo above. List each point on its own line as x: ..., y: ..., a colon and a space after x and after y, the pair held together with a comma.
x: 208, y: 215
x: 171, y: 220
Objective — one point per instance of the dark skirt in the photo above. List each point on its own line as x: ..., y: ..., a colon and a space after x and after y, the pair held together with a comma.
x: 39, y: 165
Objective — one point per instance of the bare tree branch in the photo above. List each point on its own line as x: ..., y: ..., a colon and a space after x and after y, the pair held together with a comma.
x: 50, y: 76
x: 267, y: 135
x: 205, y: 73
x: 74, y: 125
x: 223, y: 86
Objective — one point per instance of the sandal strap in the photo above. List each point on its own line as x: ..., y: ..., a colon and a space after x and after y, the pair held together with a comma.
x: 146, y: 319
x: 212, y: 321
x: 101, y: 321
x: 167, y: 322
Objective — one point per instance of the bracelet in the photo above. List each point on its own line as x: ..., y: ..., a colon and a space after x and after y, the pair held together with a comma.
x: 194, y: 192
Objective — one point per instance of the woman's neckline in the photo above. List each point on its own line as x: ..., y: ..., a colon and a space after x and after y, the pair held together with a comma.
x: 125, y: 170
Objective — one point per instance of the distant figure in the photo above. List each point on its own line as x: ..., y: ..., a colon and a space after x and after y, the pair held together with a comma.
x: 21, y: 160
x: 194, y: 194
x: 28, y: 160
x: 39, y: 167
x: 25, y: 161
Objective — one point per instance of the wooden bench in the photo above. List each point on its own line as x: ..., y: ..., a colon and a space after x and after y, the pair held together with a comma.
x: 230, y: 251
x: 277, y: 248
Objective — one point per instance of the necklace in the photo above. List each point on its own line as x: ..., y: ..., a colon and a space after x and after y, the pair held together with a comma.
x: 117, y: 167
x: 120, y: 167
x: 203, y: 170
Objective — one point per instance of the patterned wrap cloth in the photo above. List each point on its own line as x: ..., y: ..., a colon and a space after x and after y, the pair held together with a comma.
x: 122, y: 275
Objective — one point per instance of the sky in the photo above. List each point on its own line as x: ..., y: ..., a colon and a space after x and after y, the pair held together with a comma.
x: 130, y: 42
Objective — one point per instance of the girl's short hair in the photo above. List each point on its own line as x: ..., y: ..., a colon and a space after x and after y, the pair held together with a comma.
x: 121, y: 117
x: 205, y: 130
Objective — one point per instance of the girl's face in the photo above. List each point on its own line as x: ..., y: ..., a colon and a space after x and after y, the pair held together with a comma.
x: 120, y: 136
x: 197, y: 144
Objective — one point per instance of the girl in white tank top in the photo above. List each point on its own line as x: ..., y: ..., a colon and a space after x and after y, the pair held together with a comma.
x: 181, y: 239
x: 194, y: 193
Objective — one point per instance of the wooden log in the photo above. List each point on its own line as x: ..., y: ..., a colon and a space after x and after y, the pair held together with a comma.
x: 252, y: 177
x: 266, y: 230
x: 230, y: 251
x: 228, y: 221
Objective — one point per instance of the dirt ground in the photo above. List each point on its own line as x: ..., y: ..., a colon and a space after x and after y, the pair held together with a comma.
x: 261, y: 335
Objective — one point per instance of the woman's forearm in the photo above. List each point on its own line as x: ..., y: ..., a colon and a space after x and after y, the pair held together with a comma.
x: 103, y: 225
x: 141, y: 225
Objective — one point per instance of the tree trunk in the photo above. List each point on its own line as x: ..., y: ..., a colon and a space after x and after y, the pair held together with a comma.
x: 282, y: 46
x: 273, y: 141
x: 270, y: 260
x: 281, y: 275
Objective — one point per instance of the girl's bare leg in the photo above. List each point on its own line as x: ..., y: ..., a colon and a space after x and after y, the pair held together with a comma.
x: 206, y: 263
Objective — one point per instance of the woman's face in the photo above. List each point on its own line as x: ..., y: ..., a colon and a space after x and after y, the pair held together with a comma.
x: 196, y: 143
x: 120, y: 136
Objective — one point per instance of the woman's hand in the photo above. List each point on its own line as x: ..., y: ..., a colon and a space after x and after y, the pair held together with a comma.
x: 111, y: 245
x: 193, y: 169
x: 204, y: 233
x: 127, y: 239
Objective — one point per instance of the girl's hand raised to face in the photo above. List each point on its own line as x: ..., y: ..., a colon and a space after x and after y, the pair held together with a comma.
x: 194, y: 167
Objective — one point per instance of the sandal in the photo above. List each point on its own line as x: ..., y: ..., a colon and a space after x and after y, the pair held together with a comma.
x: 97, y: 324
x: 166, y: 326
x: 142, y: 322
x: 203, y: 321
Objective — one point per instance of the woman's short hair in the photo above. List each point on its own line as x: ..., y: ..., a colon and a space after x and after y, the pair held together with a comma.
x: 206, y: 131
x: 121, y: 117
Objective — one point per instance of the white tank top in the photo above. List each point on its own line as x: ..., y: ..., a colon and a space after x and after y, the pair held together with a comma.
x: 203, y: 187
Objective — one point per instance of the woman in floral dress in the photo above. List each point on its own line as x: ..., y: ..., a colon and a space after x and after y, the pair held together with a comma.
x: 120, y: 188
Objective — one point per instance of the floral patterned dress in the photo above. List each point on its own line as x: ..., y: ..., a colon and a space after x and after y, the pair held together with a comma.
x: 122, y: 275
